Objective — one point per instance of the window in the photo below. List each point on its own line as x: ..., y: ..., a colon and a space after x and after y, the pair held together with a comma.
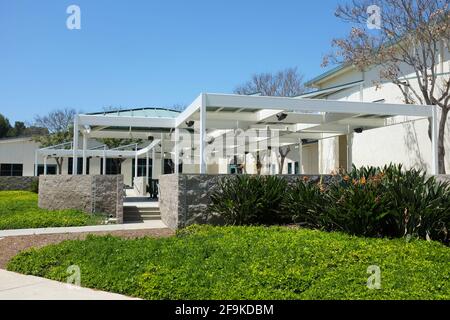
x: 290, y: 168
x: 169, y: 167
x: 79, y: 166
x: 142, y: 167
x: 11, y: 170
x: 296, y: 168
x: 51, y: 169
x: 113, y: 166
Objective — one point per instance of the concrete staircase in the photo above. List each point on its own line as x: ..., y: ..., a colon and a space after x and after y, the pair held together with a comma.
x: 140, y: 211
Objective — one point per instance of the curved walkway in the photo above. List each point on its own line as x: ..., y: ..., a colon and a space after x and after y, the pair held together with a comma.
x: 14, y: 286
x: 152, y: 224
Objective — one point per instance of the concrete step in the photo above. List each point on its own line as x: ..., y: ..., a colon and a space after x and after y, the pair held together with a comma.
x: 140, y: 218
x: 143, y: 215
x: 132, y: 209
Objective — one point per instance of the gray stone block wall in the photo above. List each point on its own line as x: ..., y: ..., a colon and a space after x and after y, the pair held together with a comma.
x: 16, y: 183
x: 443, y: 178
x: 169, y: 203
x: 91, y: 194
x: 184, y: 198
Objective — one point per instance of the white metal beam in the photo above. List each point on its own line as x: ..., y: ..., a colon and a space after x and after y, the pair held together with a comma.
x: 186, y: 114
x: 434, y: 142
x: 315, y: 105
x: 120, y: 121
x: 202, y: 148
x: 75, y: 145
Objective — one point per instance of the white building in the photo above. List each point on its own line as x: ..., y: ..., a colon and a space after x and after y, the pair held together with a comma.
x: 357, y: 122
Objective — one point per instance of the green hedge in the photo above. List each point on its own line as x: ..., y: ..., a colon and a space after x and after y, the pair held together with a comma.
x: 248, y: 263
x: 373, y: 202
x: 19, y: 210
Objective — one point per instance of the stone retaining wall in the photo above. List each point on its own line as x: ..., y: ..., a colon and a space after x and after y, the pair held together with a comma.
x: 443, y: 178
x: 184, y: 198
x: 91, y: 194
x: 16, y: 183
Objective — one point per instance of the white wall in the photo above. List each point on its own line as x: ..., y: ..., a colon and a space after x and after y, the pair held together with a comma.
x: 21, y: 151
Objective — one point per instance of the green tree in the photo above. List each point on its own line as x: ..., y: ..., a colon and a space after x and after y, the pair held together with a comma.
x: 5, y: 126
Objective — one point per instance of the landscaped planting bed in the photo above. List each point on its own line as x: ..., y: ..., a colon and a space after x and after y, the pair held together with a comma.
x: 19, y: 210
x: 248, y: 263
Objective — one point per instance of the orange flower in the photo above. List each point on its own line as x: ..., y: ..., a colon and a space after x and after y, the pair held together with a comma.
x: 363, y: 181
x: 305, y: 179
x: 346, y: 178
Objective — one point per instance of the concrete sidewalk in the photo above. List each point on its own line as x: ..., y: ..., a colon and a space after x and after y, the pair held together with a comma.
x: 151, y: 224
x: 14, y: 286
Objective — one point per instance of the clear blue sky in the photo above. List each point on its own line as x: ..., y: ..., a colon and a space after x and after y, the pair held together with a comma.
x: 151, y: 53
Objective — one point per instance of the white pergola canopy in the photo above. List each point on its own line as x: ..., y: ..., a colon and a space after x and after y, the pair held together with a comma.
x: 211, y: 116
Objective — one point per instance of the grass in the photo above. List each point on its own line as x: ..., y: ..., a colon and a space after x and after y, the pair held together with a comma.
x: 18, y: 210
x: 248, y: 263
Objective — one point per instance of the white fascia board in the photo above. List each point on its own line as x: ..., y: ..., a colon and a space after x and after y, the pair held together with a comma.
x: 119, y: 135
x: 114, y: 121
x: 315, y: 105
x: 186, y: 114
x: 329, y: 90
x: 89, y: 153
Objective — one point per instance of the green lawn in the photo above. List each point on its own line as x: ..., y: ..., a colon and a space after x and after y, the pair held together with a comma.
x: 18, y: 209
x: 248, y: 263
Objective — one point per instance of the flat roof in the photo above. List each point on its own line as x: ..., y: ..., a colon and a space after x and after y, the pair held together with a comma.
x: 146, y: 112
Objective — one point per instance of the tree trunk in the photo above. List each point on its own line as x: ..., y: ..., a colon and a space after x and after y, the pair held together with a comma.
x: 258, y: 163
x: 59, y: 163
x: 441, y: 141
x: 282, y: 159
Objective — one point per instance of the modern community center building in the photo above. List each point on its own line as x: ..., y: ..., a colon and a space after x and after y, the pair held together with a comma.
x: 351, y: 118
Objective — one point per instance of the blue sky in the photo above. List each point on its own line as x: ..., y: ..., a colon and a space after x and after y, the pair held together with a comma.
x: 151, y: 53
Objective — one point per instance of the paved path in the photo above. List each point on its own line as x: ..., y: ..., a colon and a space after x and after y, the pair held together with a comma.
x: 152, y: 224
x: 14, y: 286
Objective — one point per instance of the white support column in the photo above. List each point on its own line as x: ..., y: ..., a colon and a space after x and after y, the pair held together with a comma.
x: 300, y: 157
x: 153, y: 161
x: 35, y: 163
x: 84, y: 153
x: 176, y: 151
x: 162, y: 153
x: 203, y: 135
x: 45, y: 165
x: 434, y: 141
x: 75, y: 146
x: 136, y: 162
x: 147, y: 165
x: 349, y: 152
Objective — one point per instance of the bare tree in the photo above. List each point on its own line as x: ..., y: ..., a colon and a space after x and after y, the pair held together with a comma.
x: 57, y: 120
x: 59, y: 124
x: 285, y: 83
x: 411, y: 38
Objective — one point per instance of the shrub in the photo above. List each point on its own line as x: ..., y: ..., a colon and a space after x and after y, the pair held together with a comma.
x: 34, y: 186
x: 375, y: 202
x: 244, y: 200
x: 369, y: 201
x: 304, y: 204
x: 248, y: 263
